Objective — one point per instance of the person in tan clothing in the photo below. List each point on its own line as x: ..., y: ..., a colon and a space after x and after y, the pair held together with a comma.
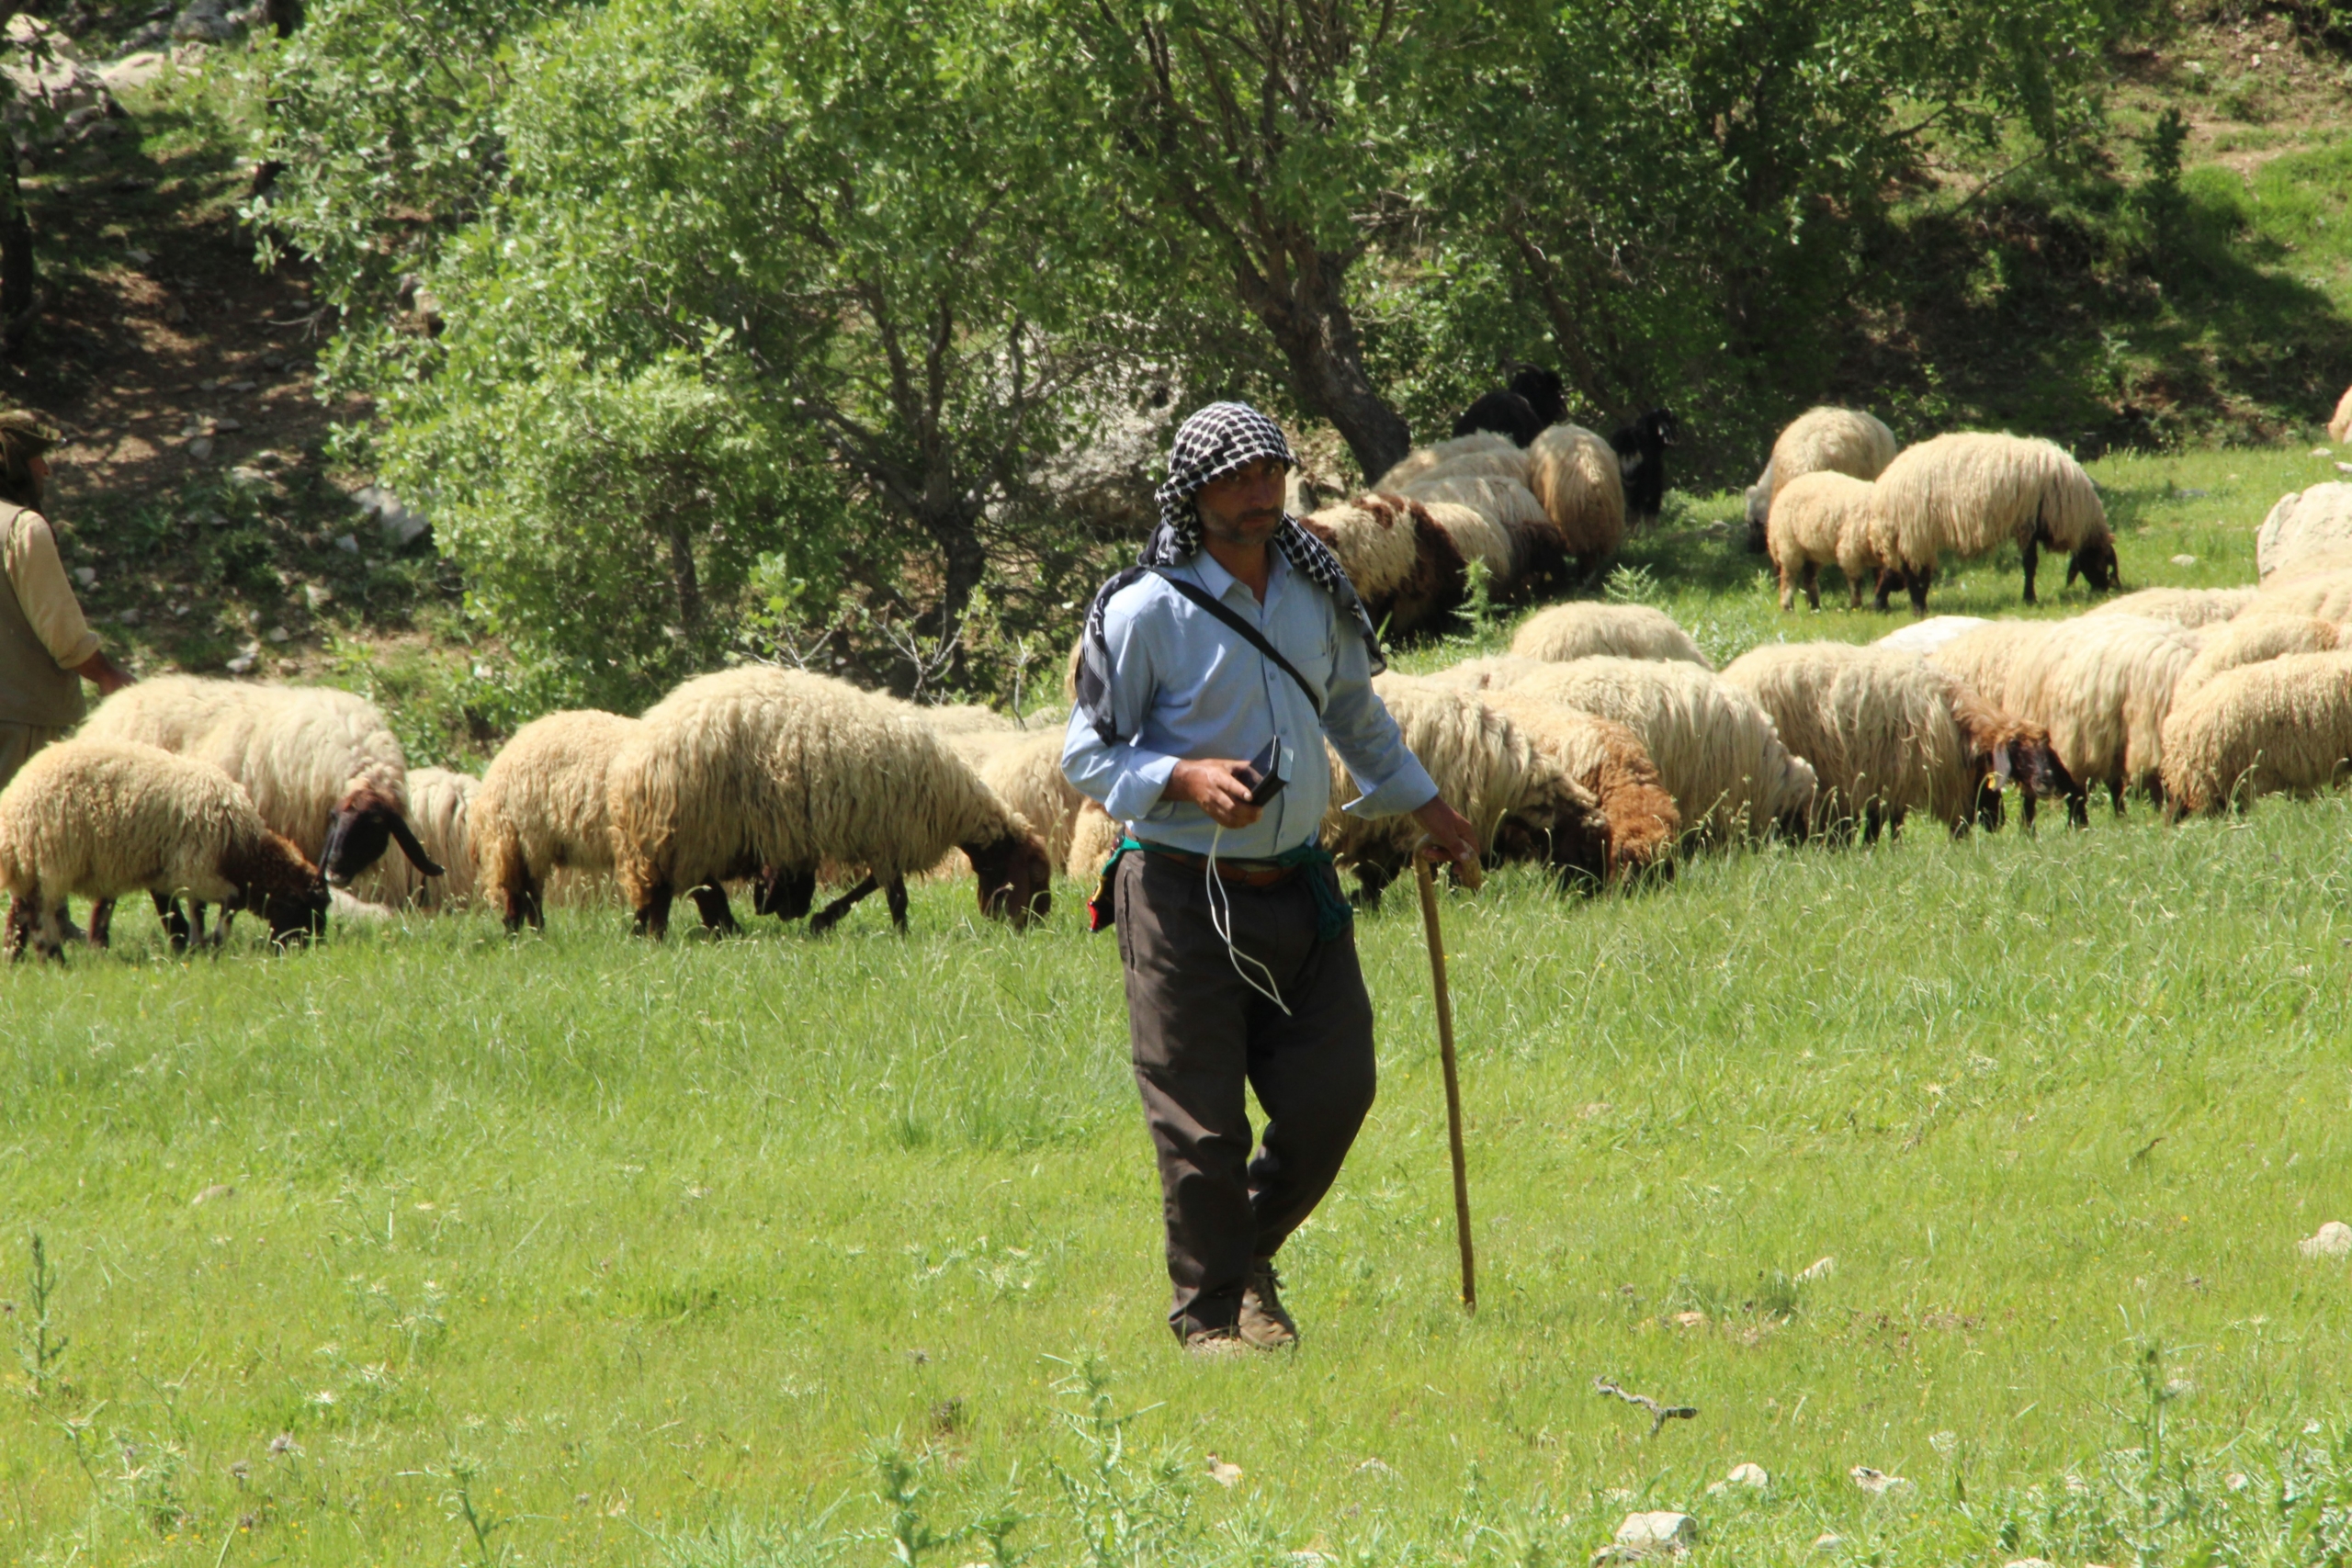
x: 46, y: 647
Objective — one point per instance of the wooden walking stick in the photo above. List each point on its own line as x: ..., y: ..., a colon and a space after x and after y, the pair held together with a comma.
x: 1453, y: 1079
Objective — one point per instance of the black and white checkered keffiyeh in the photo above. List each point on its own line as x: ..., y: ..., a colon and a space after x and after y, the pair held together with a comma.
x: 1216, y: 441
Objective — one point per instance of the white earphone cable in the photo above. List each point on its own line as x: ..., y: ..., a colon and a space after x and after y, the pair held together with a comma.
x: 1221, y: 922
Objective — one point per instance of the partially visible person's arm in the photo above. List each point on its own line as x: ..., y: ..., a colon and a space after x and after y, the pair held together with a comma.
x: 1124, y: 778
x: 38, y: 578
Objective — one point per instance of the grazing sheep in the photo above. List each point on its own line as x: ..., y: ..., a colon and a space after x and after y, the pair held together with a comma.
x: 99, y: 818
x: 2326, y: 593
x: 1024, y: 768
x: 1968, y: 492
x: 1404, y: 567
x: 2257, y: 639
x: 2283, y: 726
x: 1587, y: 630
x: 2190, y: 607
x: 1475, y: 535
x: 1573, y: 476
x: 1822, y: 518
x: 2306, y: 530
x: 1503, y: 413
x: 1926, y: 637
x: 1425, y: 459
x: 1640, y: 463
x: 1820, y: 440
x: 2339, y: 429
x: 1506, y: 466
x: 1532, y: 550
x: 545, y: 805
x: 1645, y: 825
x: 2101, y: 684
x: 1093, y: 839
x: 1523, y: 803
x: 1889, y: 734
x: 322, y: 765
x: 1714, y: 746
x: 440, y: 807
x: 772, y: 773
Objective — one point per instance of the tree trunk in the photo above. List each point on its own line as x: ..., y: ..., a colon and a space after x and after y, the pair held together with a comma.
x: 16, y: 294
x: 684, y: 578
x: 1310, y: 324
x: 284, y: 15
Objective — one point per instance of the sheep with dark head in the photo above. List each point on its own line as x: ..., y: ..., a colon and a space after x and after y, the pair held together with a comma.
x: 1641, y: 461
x: 1969, y: 492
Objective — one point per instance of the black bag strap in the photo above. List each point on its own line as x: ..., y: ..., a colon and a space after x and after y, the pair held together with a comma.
x: 1249, y: 634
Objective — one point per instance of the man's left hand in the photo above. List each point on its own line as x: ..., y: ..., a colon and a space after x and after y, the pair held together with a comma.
x: 1452, y: 837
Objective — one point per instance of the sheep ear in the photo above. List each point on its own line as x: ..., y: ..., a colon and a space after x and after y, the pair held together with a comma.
x: 405, y: 837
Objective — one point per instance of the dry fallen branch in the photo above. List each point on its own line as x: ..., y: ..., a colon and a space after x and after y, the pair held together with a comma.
x: 1659, y: 1414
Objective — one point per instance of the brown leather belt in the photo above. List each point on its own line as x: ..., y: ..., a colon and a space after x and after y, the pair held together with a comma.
x: 1248, y: 873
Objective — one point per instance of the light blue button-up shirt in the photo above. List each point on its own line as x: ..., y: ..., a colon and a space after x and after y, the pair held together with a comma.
x: 1183, y: 685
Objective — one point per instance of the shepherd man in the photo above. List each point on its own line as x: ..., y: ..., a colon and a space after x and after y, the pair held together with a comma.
x: 1211, y: 674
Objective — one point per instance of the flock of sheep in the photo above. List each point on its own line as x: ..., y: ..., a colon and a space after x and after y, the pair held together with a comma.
x: 1600, y: 747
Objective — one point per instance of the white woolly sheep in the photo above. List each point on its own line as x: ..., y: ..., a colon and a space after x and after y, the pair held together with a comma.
x: 772, y: 773
x: 2306, y: 531
x: 1094, y: 839
x: 1531, y: 552
x: 1586, y: 630
x: 544, y: 807
x: 2101, y: 684
x: 2339, y: 429
x: 1926, y: 637
x: 99, y: 818
x: 1820, y: 440
x: 1525, y: 805
x: 440, y: 807
x: 2257, y: 639
x: 1575, y: 477
x: 1422, y: 459
x: 2282, y: 726
x: 2190, y: 607
x: 1024, y: 768
x: 1405, y: 569
x: 1969, y: 492
x: 2326, y: 592
x: 322, y: 765
x: 1645, y: 825
x: 1821, y: 519
x: 1889, y: 734
x: 1714, y: 744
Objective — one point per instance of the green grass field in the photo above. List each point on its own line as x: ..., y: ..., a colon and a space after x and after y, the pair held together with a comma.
x: 428, y: 1248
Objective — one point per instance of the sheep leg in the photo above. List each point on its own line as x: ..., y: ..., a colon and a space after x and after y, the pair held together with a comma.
x: 2115, y: 793
x: 2028, y: 803
x: 1812, y: 585
x: 101, y: 932
x: 20, y: 925
x: 168, y: 911
x: 2032, y: 554
x: 520, y: 894
x: 1874, y: 821
x: 2078, y: 806
x: 710, y: 902
x: 219, y: 933
x: 1854, y: 593
x: 1372, y: 881
x: 894, y: 894
x: 1918, y: 582
x: 828, y: 917
x: 1788, y: 591
x: 653, y: 915
x: 785, y: 893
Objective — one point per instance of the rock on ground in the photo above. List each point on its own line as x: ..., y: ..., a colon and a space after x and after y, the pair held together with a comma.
x: 2333, y: 1239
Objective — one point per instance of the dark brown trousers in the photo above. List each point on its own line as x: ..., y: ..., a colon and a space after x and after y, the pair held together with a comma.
x: 1201, y: 1034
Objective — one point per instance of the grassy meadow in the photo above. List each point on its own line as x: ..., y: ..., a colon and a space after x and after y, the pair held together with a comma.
x: 1980, y: 1164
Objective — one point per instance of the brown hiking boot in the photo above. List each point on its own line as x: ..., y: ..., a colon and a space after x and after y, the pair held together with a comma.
x: 1214, y: 1342
x: 1263, y: 1322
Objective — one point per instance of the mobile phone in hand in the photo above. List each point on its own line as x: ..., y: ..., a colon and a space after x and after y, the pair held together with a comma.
x: 1263, y: 777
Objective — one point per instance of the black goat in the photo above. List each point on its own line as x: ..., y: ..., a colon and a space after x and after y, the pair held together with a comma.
x: 1641, y: 458
x: 1544, y: 393
x: 1504, y: 413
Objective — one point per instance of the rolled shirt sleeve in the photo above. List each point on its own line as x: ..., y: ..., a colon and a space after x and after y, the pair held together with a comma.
x: 38, y: 576
x: 1364, y: 735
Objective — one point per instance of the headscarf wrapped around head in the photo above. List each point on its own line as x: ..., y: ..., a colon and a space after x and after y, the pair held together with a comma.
x: 1218, y: 440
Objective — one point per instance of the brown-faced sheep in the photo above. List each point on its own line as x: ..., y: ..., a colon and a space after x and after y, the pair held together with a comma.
x: 1969, y: 492
x: 323, y: 766
x: 771, y: 775
x: 1714, y: 744
x: 2281, y: 726
x: 1821, y: 519
x: 440, y: 808
x: 1523, y: 548
x: 545, y: 806
x: 2257, y: 639
x: 1404, y: 567
x: 1573, y: 476
x: 2190, y: 607
x: 2101, y: 684
x: 1820, y: 440
x: 99, y: 818
x: 2307, y: 531
x: 1024, y: 769
x: 1645, y: 825
x: 1888, y: 734
x: 1587, y: 630
x: 1525, y: 805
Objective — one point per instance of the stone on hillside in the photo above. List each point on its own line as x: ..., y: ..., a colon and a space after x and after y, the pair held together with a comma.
x: 1819, y: 1268
x: 85, y: 576
x: 205, y: 21
x: 1647, y: 1534
x: 401, y: 526
x: 1827, y: 1540
x: 133, y: 70
x: 51, y: 80
x: 200, y: 448
x: 1747, y: 1475
x: 2333, y: 1239
x: 1877, y: 1483
x: 2184, y: 560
